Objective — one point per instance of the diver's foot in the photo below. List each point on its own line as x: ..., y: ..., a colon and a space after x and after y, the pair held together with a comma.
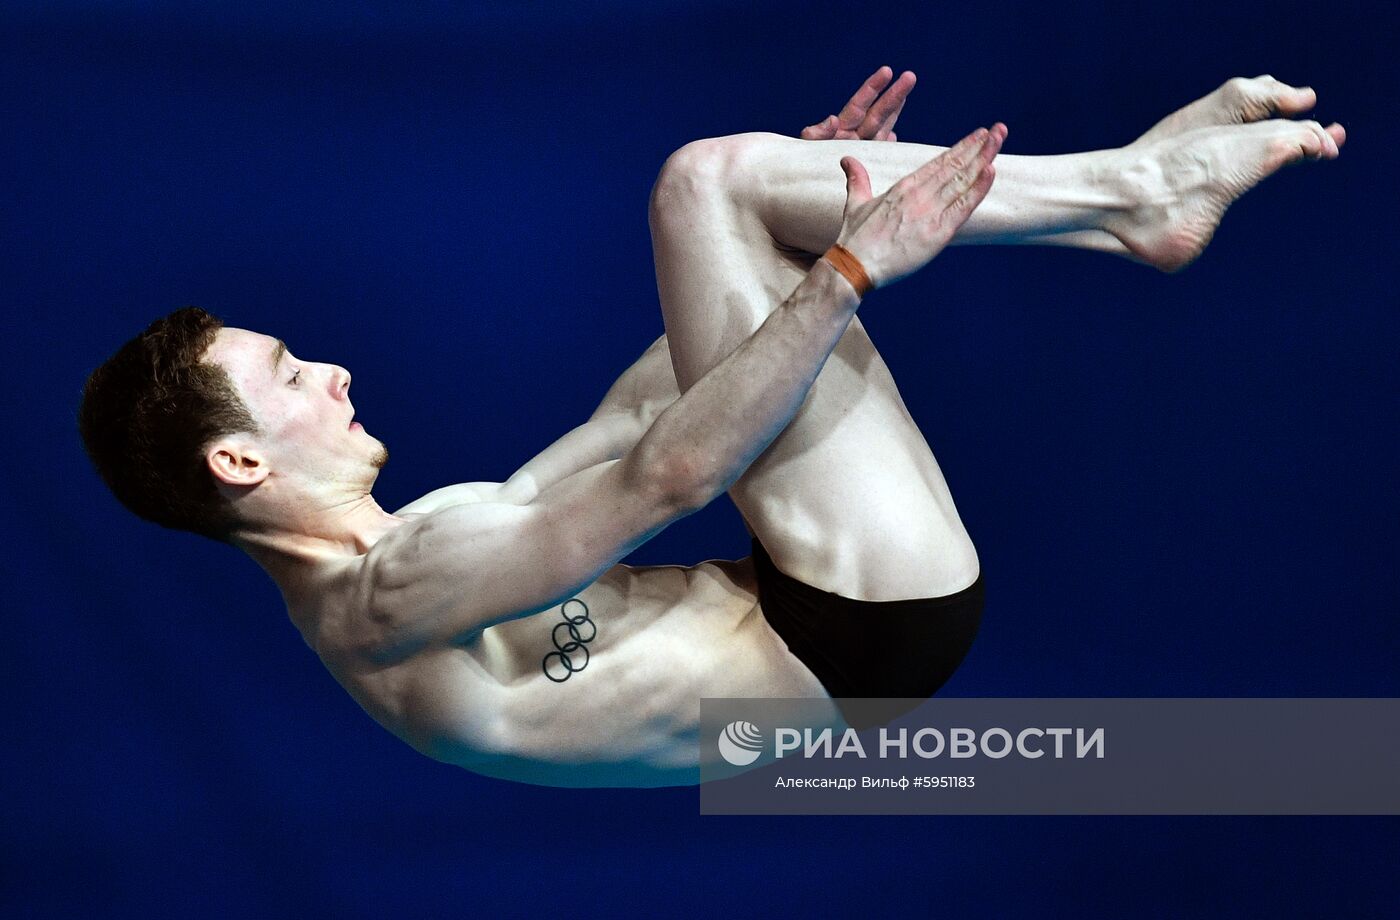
x: 1238, y: 101
x: 1183, y: 183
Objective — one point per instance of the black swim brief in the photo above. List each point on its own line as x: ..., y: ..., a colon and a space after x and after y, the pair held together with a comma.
x: 904, y: 648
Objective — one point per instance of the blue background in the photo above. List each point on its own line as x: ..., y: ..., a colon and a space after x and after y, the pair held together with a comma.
x: 1179, y: 485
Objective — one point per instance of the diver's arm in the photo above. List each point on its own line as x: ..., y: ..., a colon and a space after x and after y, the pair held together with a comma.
x: 631, y: 404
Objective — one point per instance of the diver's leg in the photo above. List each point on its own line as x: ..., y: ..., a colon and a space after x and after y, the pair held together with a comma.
x: 1156, y: 200
x: 849, y: 497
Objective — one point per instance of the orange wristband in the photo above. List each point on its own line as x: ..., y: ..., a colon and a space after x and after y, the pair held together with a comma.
x: 850, y: 268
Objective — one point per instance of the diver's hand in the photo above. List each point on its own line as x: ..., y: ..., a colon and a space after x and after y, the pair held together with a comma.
x: 899, y: 232
x: 870, y: 114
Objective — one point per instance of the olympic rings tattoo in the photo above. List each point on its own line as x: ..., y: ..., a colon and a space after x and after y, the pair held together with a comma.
x: 577, y: 642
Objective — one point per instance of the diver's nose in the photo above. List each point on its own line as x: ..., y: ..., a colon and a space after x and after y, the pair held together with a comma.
x: 340, y: 381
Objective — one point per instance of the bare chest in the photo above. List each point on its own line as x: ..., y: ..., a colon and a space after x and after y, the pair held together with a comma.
x: 614, y: 674
x: 663, y: 622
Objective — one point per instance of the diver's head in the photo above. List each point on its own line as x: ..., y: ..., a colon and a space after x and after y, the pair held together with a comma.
x: 211, y: 429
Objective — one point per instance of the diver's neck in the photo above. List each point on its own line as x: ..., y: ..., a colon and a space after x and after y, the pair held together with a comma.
x: 298, y: 545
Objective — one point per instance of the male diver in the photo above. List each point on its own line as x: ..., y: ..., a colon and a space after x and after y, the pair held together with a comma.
x: 491, y: 625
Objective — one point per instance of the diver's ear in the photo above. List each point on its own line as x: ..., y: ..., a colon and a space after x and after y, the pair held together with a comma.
x: 236, y: 461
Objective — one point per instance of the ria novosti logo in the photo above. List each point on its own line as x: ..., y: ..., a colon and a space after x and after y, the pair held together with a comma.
x: 740, y: 743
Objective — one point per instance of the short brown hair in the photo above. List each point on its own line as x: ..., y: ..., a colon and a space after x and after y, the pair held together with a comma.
x: 147, y: 415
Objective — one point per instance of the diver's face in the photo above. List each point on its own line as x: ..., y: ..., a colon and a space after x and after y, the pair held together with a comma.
x: 302, y: 407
